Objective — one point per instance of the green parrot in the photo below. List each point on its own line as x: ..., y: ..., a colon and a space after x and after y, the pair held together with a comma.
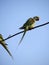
x: 28, y: 25
x: 4, y: 45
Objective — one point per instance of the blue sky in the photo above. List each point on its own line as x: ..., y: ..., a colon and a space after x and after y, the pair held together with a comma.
x: 34, y: 49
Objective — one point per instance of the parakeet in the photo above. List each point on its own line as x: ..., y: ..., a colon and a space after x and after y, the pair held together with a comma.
x: 28, y: 25
x: 4, y: 45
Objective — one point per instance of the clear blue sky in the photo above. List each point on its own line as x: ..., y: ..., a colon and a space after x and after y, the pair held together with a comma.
x: 34, y: 49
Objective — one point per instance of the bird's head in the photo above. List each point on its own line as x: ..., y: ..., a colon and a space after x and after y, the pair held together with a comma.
x: 36, y: 18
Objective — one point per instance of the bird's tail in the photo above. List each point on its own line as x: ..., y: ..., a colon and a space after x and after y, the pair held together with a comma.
x: 6, y: 48
x: 22, y: 37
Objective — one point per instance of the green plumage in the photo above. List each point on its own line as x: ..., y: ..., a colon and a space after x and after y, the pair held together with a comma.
x: 4, y: 45
x: 29, y: 22
x: 28, y: 25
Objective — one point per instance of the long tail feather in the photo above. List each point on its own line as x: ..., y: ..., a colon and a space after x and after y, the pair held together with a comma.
x: 6, y: 49
x: 4, y: 45
x: 22, y: 37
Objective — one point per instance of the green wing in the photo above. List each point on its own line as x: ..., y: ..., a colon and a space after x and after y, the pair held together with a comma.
x: 29, y: 22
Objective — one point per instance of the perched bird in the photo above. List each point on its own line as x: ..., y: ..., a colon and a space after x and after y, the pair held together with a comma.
x: 4, y: 45
x: 28, y: 25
